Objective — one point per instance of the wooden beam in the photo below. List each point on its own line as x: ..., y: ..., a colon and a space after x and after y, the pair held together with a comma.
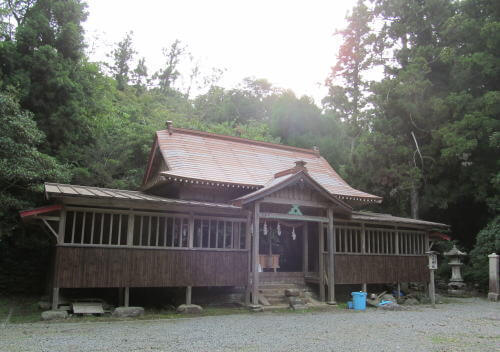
x: 306, y: 203
x: 293, y: 217
x: 255, y: 255
x: 50, y: 228
x: 62, y: 227
x: 331, y: 258
x: 131, y: 205
x: 321, y: 262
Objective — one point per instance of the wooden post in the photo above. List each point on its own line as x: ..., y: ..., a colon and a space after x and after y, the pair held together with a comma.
x: 305, y: 246
x: 189, y: 290
x: 55, y: 298
x: 363, y: 252
x: 331, y: 258
x: 432, y: 290
x: 255, y: 255
x: 396, y: 241
x: 248, y: 245
x: 60, y: 240
x: 191, y: 231
x: 130, y: 230
x: 126, y: 297
x: 62, y: 227
x: 321, y: 269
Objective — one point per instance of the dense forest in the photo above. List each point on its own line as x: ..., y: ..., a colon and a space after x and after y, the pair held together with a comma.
x: 425, y: 136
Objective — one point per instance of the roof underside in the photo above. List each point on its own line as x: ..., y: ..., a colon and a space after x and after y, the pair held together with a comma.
x: 223, y: 159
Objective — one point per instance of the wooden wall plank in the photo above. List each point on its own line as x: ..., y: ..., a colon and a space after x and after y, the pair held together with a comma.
x: 79, y: 267
x: 380, y: 269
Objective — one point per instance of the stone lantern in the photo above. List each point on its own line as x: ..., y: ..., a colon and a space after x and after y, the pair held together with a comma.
x: 456, y: 285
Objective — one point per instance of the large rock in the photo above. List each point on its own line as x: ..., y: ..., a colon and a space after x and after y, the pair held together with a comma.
x: 189, y: 309
x: 127, y: 312
x: 296, y: 303
x: 54, y: 315
x: 292, y: 292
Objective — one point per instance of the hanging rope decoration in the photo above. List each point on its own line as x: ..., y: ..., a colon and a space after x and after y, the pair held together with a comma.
x: 278, y: 228
x: 294, y: 235
x: 265, y: 229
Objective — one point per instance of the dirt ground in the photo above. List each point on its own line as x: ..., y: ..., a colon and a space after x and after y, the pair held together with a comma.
x: 464, y: 325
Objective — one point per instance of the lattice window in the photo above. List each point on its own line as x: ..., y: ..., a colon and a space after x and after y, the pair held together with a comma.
x: 90, y: 227
x: 218, y: 233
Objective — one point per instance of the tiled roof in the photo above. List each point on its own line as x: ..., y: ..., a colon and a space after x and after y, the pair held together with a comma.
x: 65, y: 190
x: 231, y: 160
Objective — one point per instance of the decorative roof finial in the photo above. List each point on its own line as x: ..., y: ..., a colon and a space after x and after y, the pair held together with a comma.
x: 169, y: 126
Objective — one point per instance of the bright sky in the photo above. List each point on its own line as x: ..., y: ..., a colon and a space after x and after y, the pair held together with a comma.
x: 290, y: 43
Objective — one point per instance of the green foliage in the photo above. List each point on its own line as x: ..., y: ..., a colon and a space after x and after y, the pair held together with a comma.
x: 487, y: 242
x: 22, y: 167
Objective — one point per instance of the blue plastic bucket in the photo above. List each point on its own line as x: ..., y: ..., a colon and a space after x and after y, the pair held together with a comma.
x: 359, y: 300
x: 349, y: 305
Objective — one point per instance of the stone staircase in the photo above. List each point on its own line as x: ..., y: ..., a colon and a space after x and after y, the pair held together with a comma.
x: 273, y: 294
x: 273, y: 287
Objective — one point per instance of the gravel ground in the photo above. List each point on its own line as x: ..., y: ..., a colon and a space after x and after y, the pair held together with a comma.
x: 467, y: 325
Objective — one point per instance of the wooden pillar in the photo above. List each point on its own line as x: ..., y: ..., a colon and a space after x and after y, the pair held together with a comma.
x: 55, y: 298
x: 248, y: 245
x: 60, y: 240
x: 130, y: 229
x: 305, y: 246
x: 321, y: 270
x: 331, y: 258
x: 126, y: 299
x: 432, y: 289
x: 191, y: 231
x: 62, y: 227
x: 363, y: 252
x: 189, y: 291
x: 255, y: 255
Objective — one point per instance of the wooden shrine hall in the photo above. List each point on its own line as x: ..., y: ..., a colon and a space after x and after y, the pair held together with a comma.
x: 216, y: 210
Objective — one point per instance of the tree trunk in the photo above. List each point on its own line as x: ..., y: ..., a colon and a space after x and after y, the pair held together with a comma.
x: 414, y: 201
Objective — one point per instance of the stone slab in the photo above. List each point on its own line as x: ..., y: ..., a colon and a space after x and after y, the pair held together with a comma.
x: 189, y: 309
x: 128, y: 312
x: 54, y: 315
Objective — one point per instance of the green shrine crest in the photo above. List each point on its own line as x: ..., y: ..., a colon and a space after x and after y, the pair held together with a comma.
x: 295, y: 210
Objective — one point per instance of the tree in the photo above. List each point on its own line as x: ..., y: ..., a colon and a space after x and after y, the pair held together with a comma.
x: 167, y: 76
x: 23, y: 168
x: 347, y: 84
x: 122, y: 55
